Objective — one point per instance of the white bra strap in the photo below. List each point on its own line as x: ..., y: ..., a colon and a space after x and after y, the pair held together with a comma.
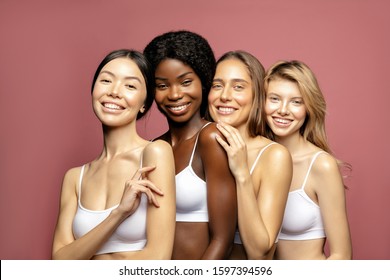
x: 258, y: 157
x: 311, y: 164
x: 80, y: 181
x: 196, y: 142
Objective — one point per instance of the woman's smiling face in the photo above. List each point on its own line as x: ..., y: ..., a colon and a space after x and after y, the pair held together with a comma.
x: 178, y: 90
x: 231, y: 95
x: 284, y: 107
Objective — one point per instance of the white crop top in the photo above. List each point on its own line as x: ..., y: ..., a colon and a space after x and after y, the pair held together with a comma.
x: 130, y: 235
x: 237, y: 237
x: 191, y: 194
x: 302, y: 216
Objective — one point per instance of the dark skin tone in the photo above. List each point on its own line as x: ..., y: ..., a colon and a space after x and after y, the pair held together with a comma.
x: 178, y: 85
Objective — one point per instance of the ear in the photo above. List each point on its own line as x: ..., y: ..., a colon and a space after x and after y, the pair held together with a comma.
x: 142, y: 110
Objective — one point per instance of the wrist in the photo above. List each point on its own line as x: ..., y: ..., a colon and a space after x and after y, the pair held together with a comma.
x: 242, y: 179
x: 118, y: 215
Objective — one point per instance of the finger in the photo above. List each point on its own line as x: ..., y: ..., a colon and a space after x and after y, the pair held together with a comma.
x: 222, y: 143
x: 150, y: 185
x: 151, y: 197
x: 224, y: 132
x: 138, y: 174
x: 235, y: 135
x: 231, y: 134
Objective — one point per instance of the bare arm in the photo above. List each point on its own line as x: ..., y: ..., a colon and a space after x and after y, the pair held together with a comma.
x: 64, y: 244
x: 260, y: 219
x: 160, y: 220
x: 221, y: 195
x: 259, y: 216
x: 331, y: 198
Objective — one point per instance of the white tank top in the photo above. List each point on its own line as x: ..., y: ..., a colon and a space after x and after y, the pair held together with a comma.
x: 191, y: 194
x: 302, y: 216
x: 130, y: 235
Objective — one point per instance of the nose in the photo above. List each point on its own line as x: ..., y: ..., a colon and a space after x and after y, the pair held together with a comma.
x: 175, y: 93
x: 115, y: 90
x: 226, y: 95
x: 283, y: 109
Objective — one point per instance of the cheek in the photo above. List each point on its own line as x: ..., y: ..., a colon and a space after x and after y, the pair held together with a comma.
x: 159, y: 97
x: 97, y: 91
x: 195, y: 91
x: 243, y: 98
x: 135, y: 98
x: 95, y: 97
x: 269, y: 108
x: 212, y: 97
x: 299, y: 113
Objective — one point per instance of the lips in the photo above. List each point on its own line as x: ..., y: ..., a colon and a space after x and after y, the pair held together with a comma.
x: 112, y: 106
x: 224, y: 110
x: 281, y: 122
x: 178, y: 108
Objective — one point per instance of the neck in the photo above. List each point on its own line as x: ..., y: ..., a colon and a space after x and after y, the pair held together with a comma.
x: 183, y: 131
x: 118, y: 140
x: 294, y: 143
x: 243, y: 129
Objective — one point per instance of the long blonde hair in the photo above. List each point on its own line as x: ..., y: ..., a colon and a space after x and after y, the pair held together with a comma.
x: 295, y: 71
x: 313, y: 128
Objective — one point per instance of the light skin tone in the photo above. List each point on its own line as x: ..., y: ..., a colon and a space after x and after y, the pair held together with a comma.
x: 286, y: 113
x: 261, y: 195
x: 115, y: 176
x: 179, y: 96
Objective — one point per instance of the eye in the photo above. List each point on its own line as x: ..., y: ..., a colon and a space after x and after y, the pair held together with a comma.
x: 297, y: 101
x: 131, y: 86
x: 186, y: 83
x: 216, y: 86
x: 105, y: 81
x: 238, y: 87
x: 161, y: 86
x: 273, y: 98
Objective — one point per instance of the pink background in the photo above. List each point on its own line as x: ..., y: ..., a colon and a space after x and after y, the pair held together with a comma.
x: 49, y: 51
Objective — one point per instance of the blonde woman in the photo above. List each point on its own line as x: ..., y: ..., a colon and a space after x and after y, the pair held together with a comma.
x: 316, y: 209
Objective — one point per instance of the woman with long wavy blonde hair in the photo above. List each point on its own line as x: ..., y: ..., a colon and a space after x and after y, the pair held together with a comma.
x: 315, y: 213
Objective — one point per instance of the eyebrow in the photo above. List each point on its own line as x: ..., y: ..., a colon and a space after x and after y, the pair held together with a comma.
x: 274, y: 93
x: 178, y: 77
x: 234, y: 80
x: 127, y: 77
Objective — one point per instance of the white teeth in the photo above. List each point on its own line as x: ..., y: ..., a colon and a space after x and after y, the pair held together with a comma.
x: 282, y: 121
x: 178, y: 108
x: 111, y: 106
x: 226, y: 109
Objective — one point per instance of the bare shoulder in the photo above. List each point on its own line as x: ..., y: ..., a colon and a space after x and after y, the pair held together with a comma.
x: 157, y: 148
x: 327, y: 176
x: 70, y: 180
x: 277, y: 152
x: 72, y: 174
x: 325, y: 164
x: 208, y: 133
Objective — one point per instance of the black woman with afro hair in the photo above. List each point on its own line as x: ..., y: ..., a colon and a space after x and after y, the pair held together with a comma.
x: 206, y: 204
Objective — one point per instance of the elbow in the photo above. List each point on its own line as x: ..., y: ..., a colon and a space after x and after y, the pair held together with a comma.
x: 260, y: 252
x: 220, y: 249
x: 163, y: 256
x: 342, y: 256
x: 257, y: 256
x: 56, y: 256
x: 345, y: 254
